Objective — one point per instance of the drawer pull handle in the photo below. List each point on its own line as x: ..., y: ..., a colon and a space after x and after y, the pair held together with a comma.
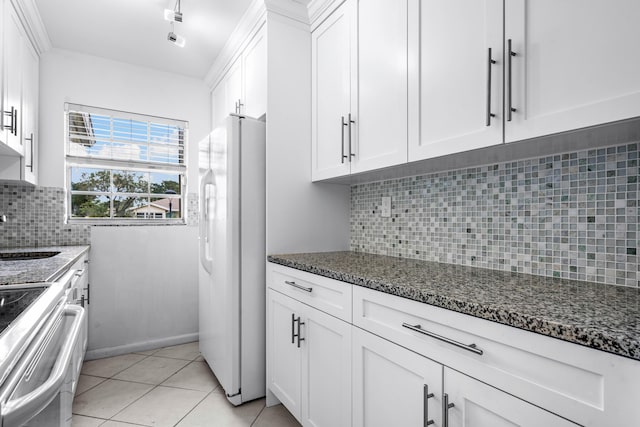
x: 295, y: 285
x: 470, y: 347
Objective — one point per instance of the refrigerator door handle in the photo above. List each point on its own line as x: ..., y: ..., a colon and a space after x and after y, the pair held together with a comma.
x: 205, y: 220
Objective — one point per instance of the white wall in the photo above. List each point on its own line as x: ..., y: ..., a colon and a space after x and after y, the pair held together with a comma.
x: 144, y: 282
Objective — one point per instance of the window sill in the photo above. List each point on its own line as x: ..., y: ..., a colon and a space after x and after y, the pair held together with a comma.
x: 125, y: 223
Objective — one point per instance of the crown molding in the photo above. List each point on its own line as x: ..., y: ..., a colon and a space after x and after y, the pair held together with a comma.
x: 320, y: 9
x: 33, y: 25
x: 249, y: 24
x: 294, y: 9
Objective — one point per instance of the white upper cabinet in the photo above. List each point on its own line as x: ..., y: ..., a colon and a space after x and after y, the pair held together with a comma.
x: 243, y: 88
x: 576, y: 64
x: 19, y: 82
x: 218, y: 109
x: 13, y: 42
x: 379, y: 105
x: 359, y: 94
x: 255, y: 77
x: 29, y: 122
x: 233, y: 89
x: 455, y: 82
x: 331, y: 94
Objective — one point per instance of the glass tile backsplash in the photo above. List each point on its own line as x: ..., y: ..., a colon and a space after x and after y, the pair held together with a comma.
x: 571, y: 215
x: 35, y: 218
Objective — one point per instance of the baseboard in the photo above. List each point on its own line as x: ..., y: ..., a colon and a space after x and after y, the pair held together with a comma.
x: 100, y: 353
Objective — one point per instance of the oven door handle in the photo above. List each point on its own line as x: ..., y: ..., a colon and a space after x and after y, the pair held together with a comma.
x: 18, y: 411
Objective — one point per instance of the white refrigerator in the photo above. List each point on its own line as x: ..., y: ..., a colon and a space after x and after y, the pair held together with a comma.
x: 232, y: 257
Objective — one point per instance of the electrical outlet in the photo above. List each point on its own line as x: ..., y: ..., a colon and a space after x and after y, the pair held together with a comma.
x: 386, y: 207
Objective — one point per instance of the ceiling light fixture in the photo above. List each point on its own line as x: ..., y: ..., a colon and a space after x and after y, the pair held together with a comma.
x: 176, y: 39
x: 174, y: 15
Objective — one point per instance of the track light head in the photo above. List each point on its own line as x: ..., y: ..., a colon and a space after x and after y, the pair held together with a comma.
x: 176, y: 39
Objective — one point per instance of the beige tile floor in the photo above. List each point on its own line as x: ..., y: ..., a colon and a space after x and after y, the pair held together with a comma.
x: 171, y: 386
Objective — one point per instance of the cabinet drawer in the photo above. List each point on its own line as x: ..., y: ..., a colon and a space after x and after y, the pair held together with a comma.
x: 328, y: 295
x: 570, y: 380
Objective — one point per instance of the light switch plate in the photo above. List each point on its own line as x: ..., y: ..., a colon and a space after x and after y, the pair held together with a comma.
x: 386, y: 207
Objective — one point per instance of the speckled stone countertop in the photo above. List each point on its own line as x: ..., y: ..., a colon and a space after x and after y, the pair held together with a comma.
x: 604, y: 317
x: 39, y: 270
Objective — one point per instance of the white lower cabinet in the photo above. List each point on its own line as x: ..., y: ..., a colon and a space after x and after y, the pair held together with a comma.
x: 395, y: 386
x: 383, y: 360
x: 309, y: 362
x: 284, y: 359
x: 472, y: 403
x: 392, y: 385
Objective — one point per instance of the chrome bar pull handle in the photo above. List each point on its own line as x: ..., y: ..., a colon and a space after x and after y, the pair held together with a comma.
x: 490, y: 62
x: 15, y: 122
x: 293, y: 329
x: 342, y: 125
x: 510, y: 54
x: 445, y: 410
x: 12, y: 116
x: 426, y: 396
x: 299, y: 335
x: 351, y: 154
x: 295, y: 285
x: 30, y: 165
x: 293, y: 333
x: 469, y: 347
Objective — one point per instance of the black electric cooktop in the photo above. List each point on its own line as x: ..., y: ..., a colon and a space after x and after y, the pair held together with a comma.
x: 15, y: 301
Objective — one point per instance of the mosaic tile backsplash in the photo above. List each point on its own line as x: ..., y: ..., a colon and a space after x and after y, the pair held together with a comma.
x: 572, y: 215
x: 35, y: 217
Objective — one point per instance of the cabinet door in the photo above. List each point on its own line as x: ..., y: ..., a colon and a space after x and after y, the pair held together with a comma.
x: 477, y: 404
x: 391, y: 384
x: 326, y: 370
x: 218, y: 105
x: 379, y: 88
x: 575, y: 64
x: 331, y: 88
x: 453, y: 87
x: 284, y: 356
x: 30, y: 111
x: 255, y: 76
x: 233, y: 89
x: 13, y: 48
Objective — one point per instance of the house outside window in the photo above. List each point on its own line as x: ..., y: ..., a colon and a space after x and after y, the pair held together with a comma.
x: 124, y: 167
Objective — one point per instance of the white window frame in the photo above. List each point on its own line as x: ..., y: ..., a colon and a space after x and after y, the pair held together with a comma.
x: 72, y: 161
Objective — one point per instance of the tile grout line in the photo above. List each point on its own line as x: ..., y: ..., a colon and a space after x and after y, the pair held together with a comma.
x: 135, y: 400
x: 154, y: 386
x: 259, y: 413
x: 194, y: 407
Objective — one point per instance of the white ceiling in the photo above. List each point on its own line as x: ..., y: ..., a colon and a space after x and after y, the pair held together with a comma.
x: 135, y: 31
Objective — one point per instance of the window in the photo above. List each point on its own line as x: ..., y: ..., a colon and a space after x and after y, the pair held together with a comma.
x: 124, y: 167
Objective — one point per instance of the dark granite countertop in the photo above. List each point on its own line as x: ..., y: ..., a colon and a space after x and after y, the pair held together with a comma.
x: 604, y: 317
x: 39, y: 270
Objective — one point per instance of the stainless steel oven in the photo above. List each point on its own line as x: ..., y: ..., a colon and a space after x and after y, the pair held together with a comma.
x: 41, y: 370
